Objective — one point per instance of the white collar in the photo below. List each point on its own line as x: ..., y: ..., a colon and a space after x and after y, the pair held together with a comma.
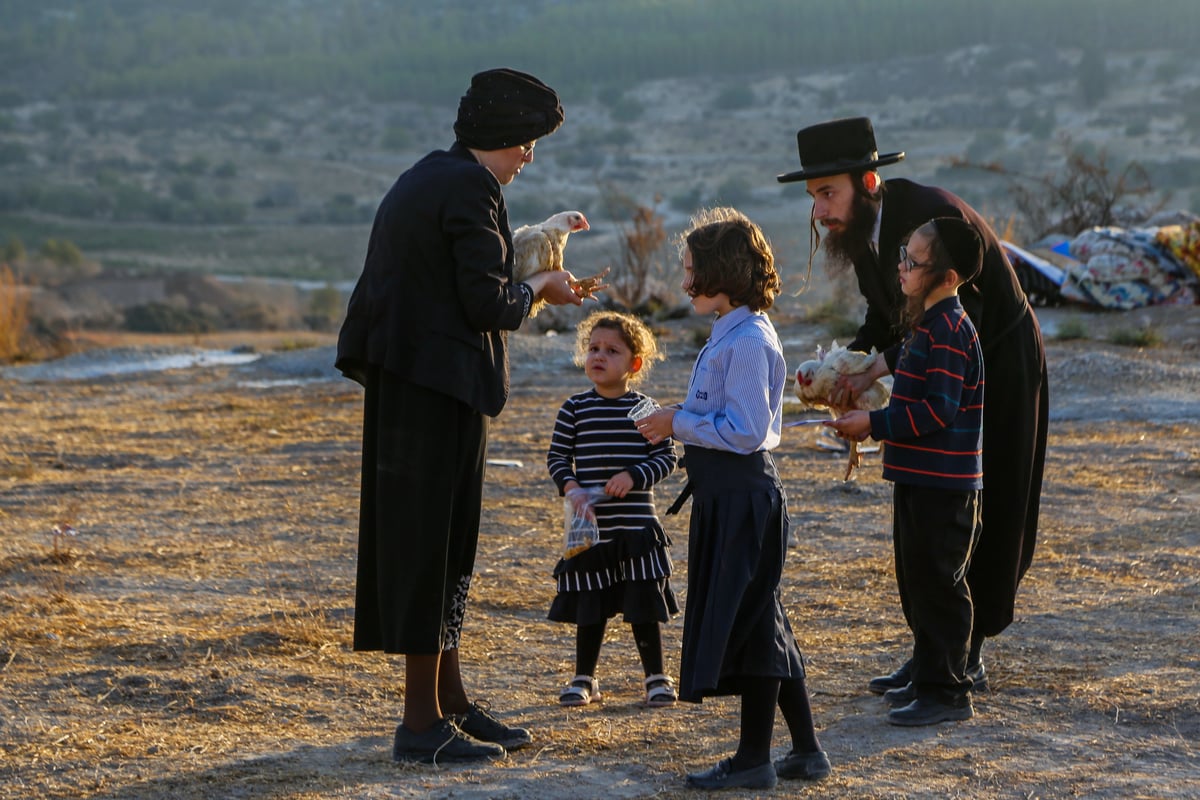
x: 875, y: 230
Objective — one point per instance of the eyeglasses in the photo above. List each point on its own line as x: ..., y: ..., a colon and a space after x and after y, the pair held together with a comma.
x: 906, y: 263
x: 527, y: 149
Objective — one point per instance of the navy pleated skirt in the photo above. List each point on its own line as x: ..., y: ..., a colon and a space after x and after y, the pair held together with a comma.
x: 734, y: 624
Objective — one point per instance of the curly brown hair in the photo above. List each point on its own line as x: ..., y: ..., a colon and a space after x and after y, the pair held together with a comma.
x: 636, y: 335
x: 731, y: 255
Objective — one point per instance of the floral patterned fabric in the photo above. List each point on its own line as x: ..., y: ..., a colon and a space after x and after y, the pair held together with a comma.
x: 1124, y: 268
x: 1182, y: 242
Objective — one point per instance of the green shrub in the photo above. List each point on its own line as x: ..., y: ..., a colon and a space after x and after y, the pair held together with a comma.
x: 1071, y: 328
x: 732, y: 98
x: 164, y: 318
x: 627, y: 109
x: 13, y: 153
x: 397, y: 138
x: 324, y: 308
x: 832, y: 314
x: 735, y: 191
x: 1145, y: 336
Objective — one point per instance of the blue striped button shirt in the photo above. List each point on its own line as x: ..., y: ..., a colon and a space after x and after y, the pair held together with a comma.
x: 735, y: 396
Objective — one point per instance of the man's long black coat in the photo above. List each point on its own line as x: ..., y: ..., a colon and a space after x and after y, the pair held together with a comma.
x: 1016, y: 399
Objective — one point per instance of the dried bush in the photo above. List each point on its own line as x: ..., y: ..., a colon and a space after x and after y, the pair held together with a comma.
x: 14, y: 314
x: 1086, y: 192
x: 638, y: 284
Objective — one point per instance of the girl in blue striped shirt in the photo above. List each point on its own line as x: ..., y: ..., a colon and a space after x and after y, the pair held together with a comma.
x: 933, y: 434
x: 736, y: 636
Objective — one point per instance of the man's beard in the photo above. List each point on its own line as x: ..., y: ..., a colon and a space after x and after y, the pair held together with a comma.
x: 853, y: 241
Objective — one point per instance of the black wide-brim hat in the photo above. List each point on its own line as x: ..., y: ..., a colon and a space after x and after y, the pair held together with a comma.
x: 841, y: 145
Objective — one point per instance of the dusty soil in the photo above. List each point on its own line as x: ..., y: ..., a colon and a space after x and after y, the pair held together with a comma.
x: 193, y: 638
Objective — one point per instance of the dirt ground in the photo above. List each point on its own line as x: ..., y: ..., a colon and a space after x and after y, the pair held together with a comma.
x: 189, y: 635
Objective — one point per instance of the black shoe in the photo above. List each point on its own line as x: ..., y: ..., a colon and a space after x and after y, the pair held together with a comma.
x: 812, y: 766
x: 899, y: 698
x: 443, y: 742
x: 719, y: 777
x: 480, y: 724
x: 978, y: 674
x: 930, y: 712
x: 897, y: 680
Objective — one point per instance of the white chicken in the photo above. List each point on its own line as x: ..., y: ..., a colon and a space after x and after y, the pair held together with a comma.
x: 815, y: 380
x: 539, y: 248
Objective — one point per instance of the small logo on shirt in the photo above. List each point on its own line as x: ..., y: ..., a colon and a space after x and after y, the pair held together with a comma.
x: 701, y: 395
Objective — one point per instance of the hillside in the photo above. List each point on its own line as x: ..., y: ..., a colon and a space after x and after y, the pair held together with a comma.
x: 282, y: 183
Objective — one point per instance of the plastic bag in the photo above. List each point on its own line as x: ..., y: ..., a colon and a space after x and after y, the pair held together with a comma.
x: 580, y: 530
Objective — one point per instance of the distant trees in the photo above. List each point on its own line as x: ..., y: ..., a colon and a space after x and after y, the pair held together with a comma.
x: 734, y: 98
x: 1092, y: 76
x: 13, y: 252
x: 417, y: 50
x: 1037, y: 122
x: 13, y: 153
x: 57, y: 261
x: 62, y: 252
x: 109, y: 197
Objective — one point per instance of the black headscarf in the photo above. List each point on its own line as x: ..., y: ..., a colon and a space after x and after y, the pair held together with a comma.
x: 504, y: 108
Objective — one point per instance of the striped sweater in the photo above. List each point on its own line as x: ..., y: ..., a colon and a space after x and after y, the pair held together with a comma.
x: 593, y: 440
x: 933, y: 426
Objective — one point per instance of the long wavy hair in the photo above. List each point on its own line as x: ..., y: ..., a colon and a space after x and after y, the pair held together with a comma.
x: 731, y: 255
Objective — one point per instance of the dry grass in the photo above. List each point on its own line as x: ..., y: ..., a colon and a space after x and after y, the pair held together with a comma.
x: 194, y: 638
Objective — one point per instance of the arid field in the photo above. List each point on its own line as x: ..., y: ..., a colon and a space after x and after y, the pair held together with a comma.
x: 189, y: 634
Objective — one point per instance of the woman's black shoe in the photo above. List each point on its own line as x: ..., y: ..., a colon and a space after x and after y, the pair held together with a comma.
x: 811, y: 766
x: 720, y: 777
x: 443, y: 742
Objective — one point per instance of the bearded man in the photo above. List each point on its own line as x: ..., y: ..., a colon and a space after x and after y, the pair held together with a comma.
x: 867, y: 220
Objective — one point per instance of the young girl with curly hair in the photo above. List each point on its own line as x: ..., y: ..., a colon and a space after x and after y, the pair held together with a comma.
x: 607, y: 472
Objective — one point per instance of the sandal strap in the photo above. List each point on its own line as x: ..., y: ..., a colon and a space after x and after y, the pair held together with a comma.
x: 582, y: 690
x: 593, y: 685
x: 655, y: 679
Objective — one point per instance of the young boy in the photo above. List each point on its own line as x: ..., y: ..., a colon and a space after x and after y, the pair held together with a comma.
x: 933, y: 429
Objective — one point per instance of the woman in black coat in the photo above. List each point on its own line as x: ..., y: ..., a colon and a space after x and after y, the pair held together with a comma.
x: 426, y: 335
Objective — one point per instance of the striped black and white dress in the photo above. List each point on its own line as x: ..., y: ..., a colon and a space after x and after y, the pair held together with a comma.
x: 628, y: 570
